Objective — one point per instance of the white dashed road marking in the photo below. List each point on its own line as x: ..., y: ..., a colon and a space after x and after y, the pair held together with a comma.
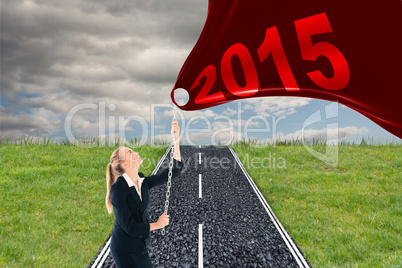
x: 200, y: 250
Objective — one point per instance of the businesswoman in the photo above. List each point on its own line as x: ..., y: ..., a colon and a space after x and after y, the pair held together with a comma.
x: 127, y: 196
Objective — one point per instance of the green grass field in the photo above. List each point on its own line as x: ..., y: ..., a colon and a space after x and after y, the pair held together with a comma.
x: 52, y: 204
x: 348, y: 216
x: 53, y: 213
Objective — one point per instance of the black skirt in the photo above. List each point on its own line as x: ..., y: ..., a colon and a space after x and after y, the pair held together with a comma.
x: 132, y: 260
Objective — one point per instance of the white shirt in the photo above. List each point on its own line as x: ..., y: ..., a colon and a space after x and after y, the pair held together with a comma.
x: 131, y: 183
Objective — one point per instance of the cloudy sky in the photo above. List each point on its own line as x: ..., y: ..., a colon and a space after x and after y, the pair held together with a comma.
x: 73, y: 69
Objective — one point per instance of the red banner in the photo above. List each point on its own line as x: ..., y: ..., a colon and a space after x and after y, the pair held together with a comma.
x: 344, y: 51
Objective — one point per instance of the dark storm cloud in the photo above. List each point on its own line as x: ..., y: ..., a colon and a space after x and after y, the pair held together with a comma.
x: 92, y: 50
x: 38, y: 35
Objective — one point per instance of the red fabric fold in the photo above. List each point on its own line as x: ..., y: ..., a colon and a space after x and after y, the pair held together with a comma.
x: 343, y: 51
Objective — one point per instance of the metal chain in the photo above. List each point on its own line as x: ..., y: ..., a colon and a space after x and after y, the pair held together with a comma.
x: 169, y: 183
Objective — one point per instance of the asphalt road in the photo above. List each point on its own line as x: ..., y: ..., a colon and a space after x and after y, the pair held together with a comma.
x: 218, y: 218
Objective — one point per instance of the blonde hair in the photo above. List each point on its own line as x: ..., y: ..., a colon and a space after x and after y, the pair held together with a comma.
x: 113, y: 170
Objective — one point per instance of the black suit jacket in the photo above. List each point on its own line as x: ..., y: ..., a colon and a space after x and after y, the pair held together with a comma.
x: 131, y: 230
